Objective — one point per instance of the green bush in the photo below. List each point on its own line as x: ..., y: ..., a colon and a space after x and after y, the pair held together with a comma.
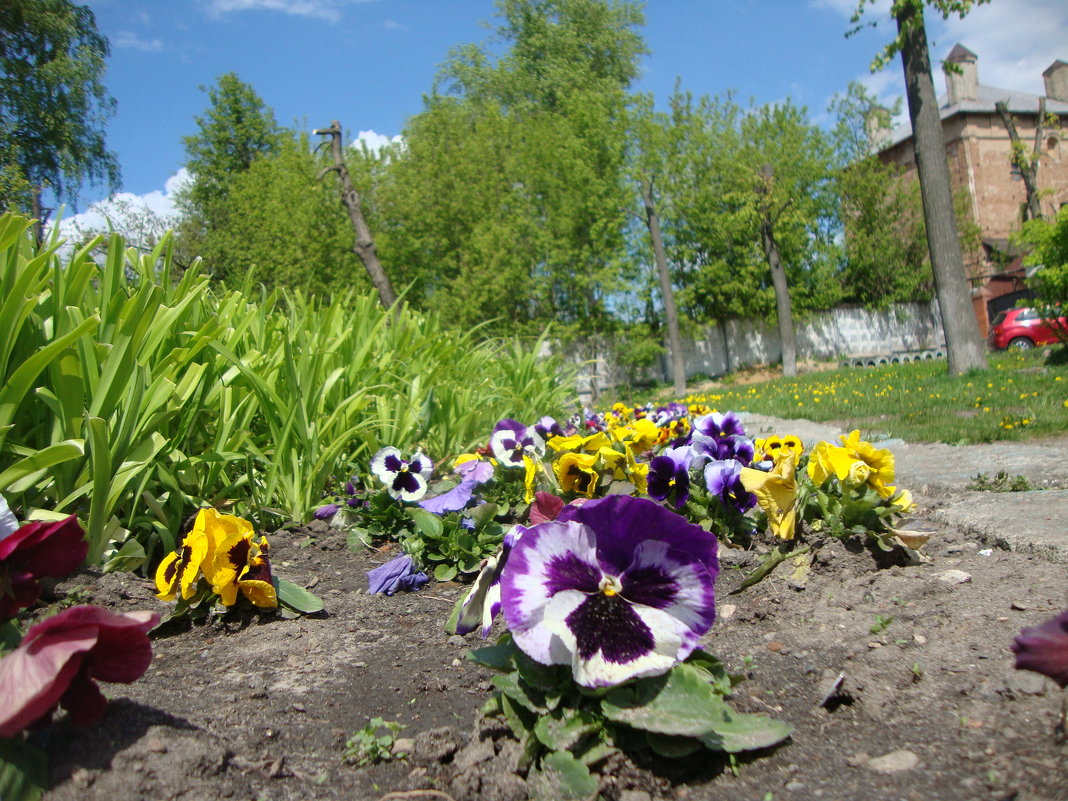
x: 131, y: 398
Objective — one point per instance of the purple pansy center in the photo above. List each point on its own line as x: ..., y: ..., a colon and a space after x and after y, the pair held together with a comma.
x: 607, y: 623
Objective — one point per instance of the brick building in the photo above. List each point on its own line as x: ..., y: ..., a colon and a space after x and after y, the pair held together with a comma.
x: 978, y: 148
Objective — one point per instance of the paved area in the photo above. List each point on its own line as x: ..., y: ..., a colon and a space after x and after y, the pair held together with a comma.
x: 938, y: 476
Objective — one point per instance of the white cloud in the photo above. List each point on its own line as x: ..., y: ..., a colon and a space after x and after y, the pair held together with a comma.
x: 321, y: 9
x: 374, y: 141
x: 393, y: 25
x: 131, y: 41
x: 128, y: 213
x: 1015, y: 41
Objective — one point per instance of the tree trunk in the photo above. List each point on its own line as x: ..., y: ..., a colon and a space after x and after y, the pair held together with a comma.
x: 678, y: 365
x: 778, y: 280
x: 965, y: 348
x: 364, y: 247
x: 1027, y: 165
x: 782, y: 301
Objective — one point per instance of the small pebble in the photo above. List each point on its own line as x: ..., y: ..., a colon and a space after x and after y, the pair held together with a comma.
x: 953, y: 577
x: 894, y: 762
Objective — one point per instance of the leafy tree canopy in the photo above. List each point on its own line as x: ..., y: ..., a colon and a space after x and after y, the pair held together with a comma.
x: 53, y: 104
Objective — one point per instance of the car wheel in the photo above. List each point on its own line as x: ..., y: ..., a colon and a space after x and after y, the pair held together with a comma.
x: 1021, y: 343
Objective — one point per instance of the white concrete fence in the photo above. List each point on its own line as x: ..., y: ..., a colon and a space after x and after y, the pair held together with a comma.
x: 846, y: 333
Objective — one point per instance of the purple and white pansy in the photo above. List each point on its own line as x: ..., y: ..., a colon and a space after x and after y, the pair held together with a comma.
x: 619, y: 588
x: 405, y: 479
x: 511, y: 441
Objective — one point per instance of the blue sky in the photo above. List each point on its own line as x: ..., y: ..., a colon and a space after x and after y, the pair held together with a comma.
x: 368, y: 63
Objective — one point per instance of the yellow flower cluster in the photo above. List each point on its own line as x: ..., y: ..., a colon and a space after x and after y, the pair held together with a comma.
x: 857, y: 463
x: 224, y: 550
x: 583, y: 463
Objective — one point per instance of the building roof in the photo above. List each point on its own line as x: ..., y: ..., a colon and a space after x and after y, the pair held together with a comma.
x: 987, y: 96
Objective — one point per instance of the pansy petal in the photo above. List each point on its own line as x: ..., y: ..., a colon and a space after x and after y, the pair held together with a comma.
x: 420, y: 463
x: 407, y: 486
x: 452, y: 501
x: 549, y: 559
x: 386, y: 463
x: 32, y: 682
x: 611, y: 641
x: 475, y: 470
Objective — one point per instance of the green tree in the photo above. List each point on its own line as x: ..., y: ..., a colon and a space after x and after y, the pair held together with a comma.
x: 235, y: 130
x: 885, y: 259
x: 511, y: 192
x: 721, y: 206
x: 965, y: 349
x: 284, y: 226
x: 1049, y: 240
x: 53, y: 104
x: 650, y: 152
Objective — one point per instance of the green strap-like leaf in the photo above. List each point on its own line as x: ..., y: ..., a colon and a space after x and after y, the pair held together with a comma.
x: 296, y: 597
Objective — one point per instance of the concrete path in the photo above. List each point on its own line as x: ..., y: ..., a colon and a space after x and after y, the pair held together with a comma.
x: 938, y: 476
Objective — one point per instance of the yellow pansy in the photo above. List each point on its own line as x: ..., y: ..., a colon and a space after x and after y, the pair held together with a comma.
x: 576, y: 473
x: 243, y: 564
x: 776, y: 492
x: 179, y: 571
x: 577, y: 442
x: 776, y: 447
x: 879, y: 460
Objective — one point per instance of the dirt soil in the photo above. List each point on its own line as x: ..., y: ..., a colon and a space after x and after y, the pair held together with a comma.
x: 929, y: 707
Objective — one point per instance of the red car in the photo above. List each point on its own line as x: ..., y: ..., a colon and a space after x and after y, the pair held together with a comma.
x: 1022, y: 329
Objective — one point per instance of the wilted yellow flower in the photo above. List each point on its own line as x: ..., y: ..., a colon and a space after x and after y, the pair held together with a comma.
x: 776, y: 492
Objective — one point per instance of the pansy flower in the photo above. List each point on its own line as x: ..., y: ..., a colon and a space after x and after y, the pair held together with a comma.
x: 482, y: 603
x: 770, y: 449
x: 723, y: 479
x: 242, y: 563
x: 472, y: 473
x: 1044, y: 649
x: 511, y: 441
x: 8, y: 522
x: 32, y: 552
x: 577, y: 473
x: 548, y: 427
x: 60, y: 657
x: 405, y: 479
x: 669, y: 476
x: 179, y: 571
x: 618, y: 588
x: 776, y: 492
x: 395, y: 575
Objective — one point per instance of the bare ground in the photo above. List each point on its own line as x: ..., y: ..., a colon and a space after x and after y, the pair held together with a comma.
x: 259, y: 707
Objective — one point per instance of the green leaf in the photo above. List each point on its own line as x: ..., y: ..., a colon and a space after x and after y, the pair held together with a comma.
x: 484, y: 514
x: 21, y: 475
x: 23, y: 771
x: 499, y: 657
x: 297, y: 598
x: 445, y: 572
x: 741, y: 732
x: 672, y: 746
x: 771, y: 561
x: 129, y: 557
x: 426, y: 523
x: 561, y: 776
x: 512, y: 686
x: 566, y: 728
x: 680, y: 702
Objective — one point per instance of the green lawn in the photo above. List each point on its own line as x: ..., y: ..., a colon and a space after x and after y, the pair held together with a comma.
x: 1020, y: 396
